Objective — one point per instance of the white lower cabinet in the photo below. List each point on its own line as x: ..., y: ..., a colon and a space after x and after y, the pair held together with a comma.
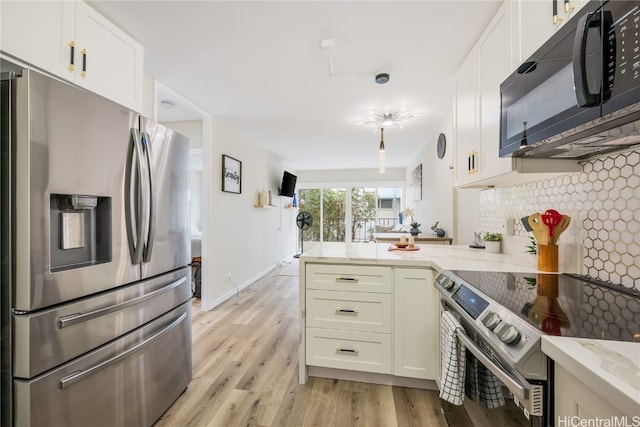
x: 415, y: 324
x: 575, y: 399
x: 367, y: 318
x: 343, y: 349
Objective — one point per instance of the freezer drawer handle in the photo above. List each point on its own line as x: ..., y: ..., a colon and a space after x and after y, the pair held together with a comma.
x: 73, y: 319
x: 76, y: 376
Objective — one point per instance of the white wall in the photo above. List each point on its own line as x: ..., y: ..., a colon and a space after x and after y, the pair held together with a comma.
x: 437, y: 183
x: 243, y: 241
x: 352, y: 176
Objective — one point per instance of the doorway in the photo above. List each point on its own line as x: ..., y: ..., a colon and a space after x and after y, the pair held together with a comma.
x: 180, y: 115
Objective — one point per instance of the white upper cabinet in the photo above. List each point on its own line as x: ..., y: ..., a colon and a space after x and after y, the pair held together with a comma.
x: 477, y: 111
x: 495, y: 63
x: 536, y: 22
x: 466, y: 122
x: 39, y: 33
x: 73, y: 41
x: 113, y: 59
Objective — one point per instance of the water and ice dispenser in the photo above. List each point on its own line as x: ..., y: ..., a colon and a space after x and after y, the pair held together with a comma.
x: 80, y: 231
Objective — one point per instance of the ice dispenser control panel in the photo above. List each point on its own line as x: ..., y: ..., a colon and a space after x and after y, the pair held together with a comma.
x: 80, y: 230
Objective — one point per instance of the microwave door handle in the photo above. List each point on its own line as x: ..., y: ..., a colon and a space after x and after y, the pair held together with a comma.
x: 132, y: 213
x: 148, y: 247
x: 580, y: 78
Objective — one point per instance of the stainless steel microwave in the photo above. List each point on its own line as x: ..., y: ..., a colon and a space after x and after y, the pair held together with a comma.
x: 579, y: 94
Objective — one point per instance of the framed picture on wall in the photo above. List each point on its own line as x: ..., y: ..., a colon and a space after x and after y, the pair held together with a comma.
x: 231, y: 174
x: 415, y: 185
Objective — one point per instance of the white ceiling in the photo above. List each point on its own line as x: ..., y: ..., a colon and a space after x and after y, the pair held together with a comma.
x: 261, y: 68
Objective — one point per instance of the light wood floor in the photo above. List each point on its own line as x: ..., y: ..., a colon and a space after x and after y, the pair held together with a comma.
x: 245, y: 372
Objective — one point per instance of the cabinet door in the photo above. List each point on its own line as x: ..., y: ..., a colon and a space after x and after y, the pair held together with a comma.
x: 39, y: 33
x: 575, y: 399
x: 466, y: 140
x: 415, y: 324
x: 535, y: 21
x: 494, y: 65
x: 536, y: 25
x: 113, y: 59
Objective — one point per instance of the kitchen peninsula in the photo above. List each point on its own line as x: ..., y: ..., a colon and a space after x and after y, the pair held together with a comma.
x: 372, y: 315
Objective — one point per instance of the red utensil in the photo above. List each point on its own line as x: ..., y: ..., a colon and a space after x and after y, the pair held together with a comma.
x: 551, y: 218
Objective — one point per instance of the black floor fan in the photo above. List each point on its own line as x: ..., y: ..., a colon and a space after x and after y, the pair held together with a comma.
x: 303, y: 221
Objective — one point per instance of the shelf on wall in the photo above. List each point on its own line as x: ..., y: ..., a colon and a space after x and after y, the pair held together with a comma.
x: 265, y: 206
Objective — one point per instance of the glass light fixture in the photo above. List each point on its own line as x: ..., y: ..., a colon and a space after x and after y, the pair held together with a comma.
x: 523, y: 142
x: 381, y: 152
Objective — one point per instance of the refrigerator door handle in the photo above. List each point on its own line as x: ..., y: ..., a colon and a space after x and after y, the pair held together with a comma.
x: 133, y: 213
x: 152, y: 214
x: 76, y: 376
x: 76, y: 318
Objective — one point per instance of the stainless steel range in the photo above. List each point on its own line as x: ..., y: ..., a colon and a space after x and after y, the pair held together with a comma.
x: 504, y: 315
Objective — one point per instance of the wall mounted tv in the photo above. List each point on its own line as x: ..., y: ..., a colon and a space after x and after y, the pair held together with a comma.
x: 288, y: 186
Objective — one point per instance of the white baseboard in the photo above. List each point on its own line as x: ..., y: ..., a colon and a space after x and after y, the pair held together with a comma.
x: 369, y: 377
x: 233, y: 292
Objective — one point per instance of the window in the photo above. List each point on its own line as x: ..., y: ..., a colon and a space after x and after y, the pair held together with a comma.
x: 372, y: 209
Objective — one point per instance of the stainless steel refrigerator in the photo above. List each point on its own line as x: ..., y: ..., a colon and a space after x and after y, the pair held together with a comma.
x: 96, y: 283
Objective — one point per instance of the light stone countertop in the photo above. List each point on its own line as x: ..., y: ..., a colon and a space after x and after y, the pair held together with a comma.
x: 598, y: 363
x: 610, y: 368
x: 439, y: 257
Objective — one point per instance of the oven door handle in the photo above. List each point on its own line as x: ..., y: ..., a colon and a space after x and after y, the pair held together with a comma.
x: 515, y: 387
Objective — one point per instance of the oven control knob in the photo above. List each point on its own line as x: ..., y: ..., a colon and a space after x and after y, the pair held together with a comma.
x: 508, y: 334
x: 448, y: 284
x: 491, y: 320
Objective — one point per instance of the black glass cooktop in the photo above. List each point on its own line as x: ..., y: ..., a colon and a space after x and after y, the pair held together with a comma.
x: 563, y: 304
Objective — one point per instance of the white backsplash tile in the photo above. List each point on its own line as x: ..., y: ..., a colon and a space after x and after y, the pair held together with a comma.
x: 603, y: 201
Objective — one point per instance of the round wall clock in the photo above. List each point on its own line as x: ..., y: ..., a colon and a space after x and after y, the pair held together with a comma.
x: 442, y: 145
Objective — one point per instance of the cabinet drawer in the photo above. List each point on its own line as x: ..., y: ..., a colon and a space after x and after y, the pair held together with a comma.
x: 354, y: 311
x: 353, y: 278
x: 357, y: 351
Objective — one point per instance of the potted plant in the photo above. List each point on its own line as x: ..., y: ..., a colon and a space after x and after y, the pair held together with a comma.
x: 492, y: 242
x: 415, y: 228
x: 532, y: 250
x: 532, y: 247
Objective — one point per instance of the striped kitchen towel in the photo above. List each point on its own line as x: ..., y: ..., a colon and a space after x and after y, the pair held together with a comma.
x: 452, y: 358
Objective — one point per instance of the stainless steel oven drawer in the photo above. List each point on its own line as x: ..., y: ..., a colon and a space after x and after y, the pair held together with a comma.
x: 128, y: 382
x: 48, y: 338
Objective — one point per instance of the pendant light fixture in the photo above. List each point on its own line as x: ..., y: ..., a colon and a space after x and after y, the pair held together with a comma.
x: 523, y: 142
x: 386, y: 118
x: 381, y: 152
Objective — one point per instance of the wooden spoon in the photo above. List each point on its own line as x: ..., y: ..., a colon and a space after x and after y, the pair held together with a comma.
x: 540, y: 231
x: 558, y: 229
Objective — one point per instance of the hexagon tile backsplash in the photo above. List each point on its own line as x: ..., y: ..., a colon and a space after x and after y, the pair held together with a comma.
x: 604, y: 204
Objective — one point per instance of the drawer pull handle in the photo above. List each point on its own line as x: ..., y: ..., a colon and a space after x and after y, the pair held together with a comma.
x: 347, y: 279
x: 346, y: 311
x: 347, y: 350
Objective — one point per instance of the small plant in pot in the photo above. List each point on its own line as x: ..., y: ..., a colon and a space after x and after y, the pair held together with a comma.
x: 415, y: 228
x: 492, y: 242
